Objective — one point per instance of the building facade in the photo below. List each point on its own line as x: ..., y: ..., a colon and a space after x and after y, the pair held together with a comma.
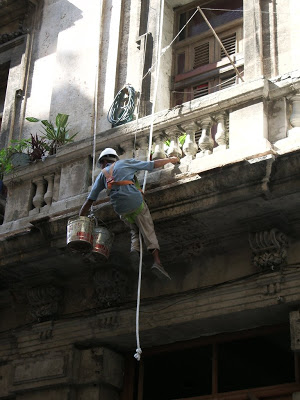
x: 215, y: 83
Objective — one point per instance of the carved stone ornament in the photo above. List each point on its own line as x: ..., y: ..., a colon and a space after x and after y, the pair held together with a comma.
x: 110, y: 287
x: 44, y: 301
x: 269, y: 248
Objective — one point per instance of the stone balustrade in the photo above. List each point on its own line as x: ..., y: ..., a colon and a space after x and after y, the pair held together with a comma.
x: 217, y: 130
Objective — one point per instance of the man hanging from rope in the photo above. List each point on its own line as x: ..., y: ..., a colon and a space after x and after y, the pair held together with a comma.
x: 118, y: 177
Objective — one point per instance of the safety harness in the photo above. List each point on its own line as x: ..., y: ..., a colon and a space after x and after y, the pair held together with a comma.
x: 130, y: 217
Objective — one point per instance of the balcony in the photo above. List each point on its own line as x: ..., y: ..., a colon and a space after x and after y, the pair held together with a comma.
x: 230, y: 183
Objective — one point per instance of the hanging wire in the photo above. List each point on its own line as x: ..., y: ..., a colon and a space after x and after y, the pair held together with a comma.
x: 122, y: 108
x: 169, y: 45
x: 212, y: 87
x: 242, y: 11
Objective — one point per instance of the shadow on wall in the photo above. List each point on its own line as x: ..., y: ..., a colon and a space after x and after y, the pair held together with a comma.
x: 51, y: 20
x: 63, y: 63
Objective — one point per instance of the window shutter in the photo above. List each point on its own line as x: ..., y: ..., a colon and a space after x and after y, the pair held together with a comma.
x: 201, y: 55
x: 230, y: 45
x: 200, y: 90
x: 227, y: 82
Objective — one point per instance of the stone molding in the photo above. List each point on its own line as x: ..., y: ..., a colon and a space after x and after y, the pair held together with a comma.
x: 269, y: 248
x: 44, y: 301
x: 111, y: 287
x: 295, y: 330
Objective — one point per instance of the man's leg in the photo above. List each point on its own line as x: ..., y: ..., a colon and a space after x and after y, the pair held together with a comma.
x: 134, y: 232
x: 145, y: 223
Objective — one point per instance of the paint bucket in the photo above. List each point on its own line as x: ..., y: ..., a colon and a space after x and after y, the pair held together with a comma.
x: 80, y: 233
x: 103, y: 240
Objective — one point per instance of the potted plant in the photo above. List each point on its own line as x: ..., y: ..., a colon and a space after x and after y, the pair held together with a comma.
x: 57, y: 135
x: 14, y: 155
x: 38, y: 148
x: 16, y: 152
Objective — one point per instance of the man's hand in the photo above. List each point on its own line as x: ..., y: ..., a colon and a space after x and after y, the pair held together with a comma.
x: 163, y: 161
x: 174, y: 160
x: 85, y: 208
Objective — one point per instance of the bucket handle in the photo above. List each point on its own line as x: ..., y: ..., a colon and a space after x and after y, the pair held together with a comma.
x: 96, y: 220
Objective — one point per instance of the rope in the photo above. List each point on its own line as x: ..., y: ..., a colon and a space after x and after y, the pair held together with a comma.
x: 138, y: 353
x: 169, y: 45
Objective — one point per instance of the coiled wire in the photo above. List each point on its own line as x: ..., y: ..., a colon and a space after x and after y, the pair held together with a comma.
x: 122, y: 108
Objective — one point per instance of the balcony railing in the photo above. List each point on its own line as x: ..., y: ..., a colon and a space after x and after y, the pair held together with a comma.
x: 222, y: 128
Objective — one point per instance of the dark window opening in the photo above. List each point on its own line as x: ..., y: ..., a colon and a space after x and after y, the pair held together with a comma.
x: 185, y: 373
x: 255, y: 362
x: 4, y: 71
x: 259, y: 360
x: 216, y: 17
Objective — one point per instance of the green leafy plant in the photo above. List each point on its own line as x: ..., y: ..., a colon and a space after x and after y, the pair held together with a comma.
x: 181, y: 140
x: 38, y: 148
x: 57, y: 135
x: 16, y: 146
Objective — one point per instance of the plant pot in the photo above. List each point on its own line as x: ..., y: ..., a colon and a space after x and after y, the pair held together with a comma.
x: 20, y: 159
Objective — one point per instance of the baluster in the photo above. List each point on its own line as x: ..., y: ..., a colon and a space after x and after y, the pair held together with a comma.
x: 38, y: 199
x: 220, y: 137
x: 142, y: 152
x: 174, y: 149
x: 49, y: 194
x: 159, y: 151
x: 206, y: 142
x: 190, y: 147
x: 295, y: 116
x: 128, y: 150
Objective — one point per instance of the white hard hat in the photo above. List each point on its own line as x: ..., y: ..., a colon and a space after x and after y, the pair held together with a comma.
x: 108, y: 154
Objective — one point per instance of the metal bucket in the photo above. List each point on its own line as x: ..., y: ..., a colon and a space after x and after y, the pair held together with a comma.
x: 103, y: 240
x: 80, y: 233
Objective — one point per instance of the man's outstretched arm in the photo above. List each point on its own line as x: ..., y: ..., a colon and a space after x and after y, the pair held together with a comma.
x: 85, y: 208
x: 163, y: 161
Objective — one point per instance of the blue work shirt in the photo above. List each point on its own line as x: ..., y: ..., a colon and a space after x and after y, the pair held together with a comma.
x: 127, y: 198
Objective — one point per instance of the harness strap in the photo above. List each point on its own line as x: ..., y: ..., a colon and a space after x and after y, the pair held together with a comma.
x: 119, y: 183
x: 110, y: 179
x: 130, y: 217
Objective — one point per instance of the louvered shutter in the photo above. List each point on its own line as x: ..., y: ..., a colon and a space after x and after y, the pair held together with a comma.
x: 230, y: 45
x: 227, y: 82
x: 201, y: 55
x: 200, y: 90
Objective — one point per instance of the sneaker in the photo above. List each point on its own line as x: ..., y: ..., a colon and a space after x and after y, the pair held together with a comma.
x: 159, y: 271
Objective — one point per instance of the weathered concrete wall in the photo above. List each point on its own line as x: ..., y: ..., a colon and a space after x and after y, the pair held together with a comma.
x: 109, y: 58
x: 64, y: 64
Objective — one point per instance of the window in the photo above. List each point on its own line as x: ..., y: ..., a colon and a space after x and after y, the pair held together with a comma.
x: 4, y: 70
x: 200, y: 63
x: 259, y: 362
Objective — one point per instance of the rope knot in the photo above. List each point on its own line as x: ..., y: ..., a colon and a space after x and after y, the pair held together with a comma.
x: 138, y: 353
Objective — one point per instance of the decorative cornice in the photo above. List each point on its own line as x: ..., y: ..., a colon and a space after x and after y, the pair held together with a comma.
x: 7, y: 37
x: 44, y: 301
x: 110, y: 287
x: 269, y: 248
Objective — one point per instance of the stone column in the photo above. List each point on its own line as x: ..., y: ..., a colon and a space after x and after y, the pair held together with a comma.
x: 221, y: 138
x: 49, y: 194
x: 174, y: 149
x: 206, y: 142
x: 253, y: 50
x: 128, y: 150
x: 295, y: 116
x: 142, y: 151
x: 38, y: 199
x: 190, y: 147
x: 159, y: 141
